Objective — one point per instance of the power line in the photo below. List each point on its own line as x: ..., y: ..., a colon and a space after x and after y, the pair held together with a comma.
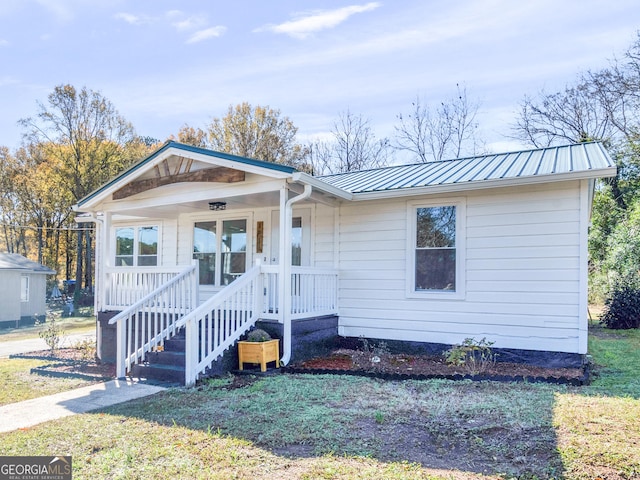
x: 31, y: 227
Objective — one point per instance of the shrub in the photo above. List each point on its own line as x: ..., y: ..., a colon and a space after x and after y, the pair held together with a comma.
x: 622, y: 307
x: 475, y: 356
x: 258, y: 335
x: 52, y: 332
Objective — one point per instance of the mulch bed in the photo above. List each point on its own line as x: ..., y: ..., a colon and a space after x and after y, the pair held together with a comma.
x: 403, y: 366
x: 70, y: 363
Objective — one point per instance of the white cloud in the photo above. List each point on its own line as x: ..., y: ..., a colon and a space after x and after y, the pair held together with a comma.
x: 318, y: 20
x: 191, y: 23
x: 4, y: 43
x: 132, y: 19
x: 207, y: 33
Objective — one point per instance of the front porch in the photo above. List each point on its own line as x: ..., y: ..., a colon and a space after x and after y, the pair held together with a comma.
x: 156, y: 304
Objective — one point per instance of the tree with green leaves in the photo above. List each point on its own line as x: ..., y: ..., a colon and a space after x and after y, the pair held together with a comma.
x: 82, y: 133
x: 601, y: 105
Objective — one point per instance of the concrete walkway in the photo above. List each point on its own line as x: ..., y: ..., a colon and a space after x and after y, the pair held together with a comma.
x: 15, y: 347
x: 32, y: 412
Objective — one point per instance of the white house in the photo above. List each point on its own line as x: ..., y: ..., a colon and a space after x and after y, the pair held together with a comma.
x: 23, y: 286
x: 492, y: 246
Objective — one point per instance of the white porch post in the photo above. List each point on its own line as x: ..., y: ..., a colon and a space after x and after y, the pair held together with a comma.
x: 105, y: 260
x: 121, y: 340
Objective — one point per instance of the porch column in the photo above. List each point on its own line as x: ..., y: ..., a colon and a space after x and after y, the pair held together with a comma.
x: 104, y: 259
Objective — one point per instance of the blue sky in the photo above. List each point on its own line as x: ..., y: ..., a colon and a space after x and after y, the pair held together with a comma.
x: 166, y: 63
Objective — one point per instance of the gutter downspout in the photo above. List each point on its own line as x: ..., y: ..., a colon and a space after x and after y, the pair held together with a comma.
x: 286, y: 307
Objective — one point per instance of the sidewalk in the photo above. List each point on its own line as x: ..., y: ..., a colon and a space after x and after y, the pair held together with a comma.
x: 32, y: 412
x: 15, y: 347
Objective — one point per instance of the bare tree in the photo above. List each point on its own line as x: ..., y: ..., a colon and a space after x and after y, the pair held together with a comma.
x: 448, y: 131
x: 353, y: 147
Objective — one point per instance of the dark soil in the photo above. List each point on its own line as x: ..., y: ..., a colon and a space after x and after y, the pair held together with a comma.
x: 424, y: 365
x: 73, y: 361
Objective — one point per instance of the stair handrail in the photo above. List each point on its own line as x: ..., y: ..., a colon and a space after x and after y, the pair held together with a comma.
x: 132, y: 345
x: 250, y: 281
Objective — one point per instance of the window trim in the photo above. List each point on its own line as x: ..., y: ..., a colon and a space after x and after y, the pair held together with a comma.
x: 136, y: 229
x: 461, y: 215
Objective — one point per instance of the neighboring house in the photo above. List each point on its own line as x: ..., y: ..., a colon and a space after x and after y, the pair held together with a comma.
x: 23, y: 294
x: 492, y: 246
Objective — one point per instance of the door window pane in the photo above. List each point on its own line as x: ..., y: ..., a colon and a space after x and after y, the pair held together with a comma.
x: 233, y: 249
x: 204, y: 250
x: 148, y: 246
x: 124, y: 247
x: 436, y: 248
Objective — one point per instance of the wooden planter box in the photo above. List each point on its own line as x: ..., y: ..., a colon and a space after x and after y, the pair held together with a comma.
x: 259, y: 352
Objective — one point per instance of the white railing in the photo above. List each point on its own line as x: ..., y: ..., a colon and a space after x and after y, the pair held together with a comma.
x: 219, y: 322
x: 314, y: 292
x: 152, y: 319
x: 126, y: 285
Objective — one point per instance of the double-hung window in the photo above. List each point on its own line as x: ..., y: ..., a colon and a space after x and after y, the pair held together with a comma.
x: 137, y: 246
x: 437, y: 249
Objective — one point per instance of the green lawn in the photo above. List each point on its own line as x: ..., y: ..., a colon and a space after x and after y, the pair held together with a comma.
x: 331, y: 426
x: 17, y: 384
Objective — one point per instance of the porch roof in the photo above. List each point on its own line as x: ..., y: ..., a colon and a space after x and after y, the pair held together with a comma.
x: 176, y: 147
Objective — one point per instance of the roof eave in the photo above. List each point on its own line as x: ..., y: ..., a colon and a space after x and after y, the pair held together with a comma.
x: 91, y: 201
x: 485, y: 184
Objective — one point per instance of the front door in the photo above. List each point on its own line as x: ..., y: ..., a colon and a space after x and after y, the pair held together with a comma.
x: 300, y: 237
x: 220, y: 247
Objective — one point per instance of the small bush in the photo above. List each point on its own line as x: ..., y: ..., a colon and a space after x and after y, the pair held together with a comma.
x: 622, y: 308
x: 475, y: 356
x: 52, y: 333
x: 258, y: 335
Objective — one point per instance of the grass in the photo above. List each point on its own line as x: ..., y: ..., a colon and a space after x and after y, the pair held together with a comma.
x: 70, y: 325
x: 339, y: 427
x: 17, y: 384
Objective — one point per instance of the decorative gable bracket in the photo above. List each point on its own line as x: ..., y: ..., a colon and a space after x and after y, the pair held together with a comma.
x: 217, y: 174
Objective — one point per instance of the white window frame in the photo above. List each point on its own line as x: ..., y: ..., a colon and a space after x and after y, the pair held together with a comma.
x: 136, y: 229
x: 24, y: 288
x: 461, y: 216
x: 219, y: 219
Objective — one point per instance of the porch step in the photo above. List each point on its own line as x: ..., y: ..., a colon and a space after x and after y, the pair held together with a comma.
x: 176, y: 343
x: 168, y: 357
x: 164, y: 373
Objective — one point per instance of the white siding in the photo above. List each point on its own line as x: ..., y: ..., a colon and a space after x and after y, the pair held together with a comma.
x: 523, y: 272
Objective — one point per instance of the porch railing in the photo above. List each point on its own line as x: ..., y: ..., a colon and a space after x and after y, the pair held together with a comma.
x: 152, y: 319
x: 314, y: 292
x: 126, y: 285
x: 219, y: 322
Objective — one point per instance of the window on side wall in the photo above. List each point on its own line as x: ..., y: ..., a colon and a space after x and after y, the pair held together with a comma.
x: 137, y: 246
x: 24, y: 288
x: 436, y: 252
